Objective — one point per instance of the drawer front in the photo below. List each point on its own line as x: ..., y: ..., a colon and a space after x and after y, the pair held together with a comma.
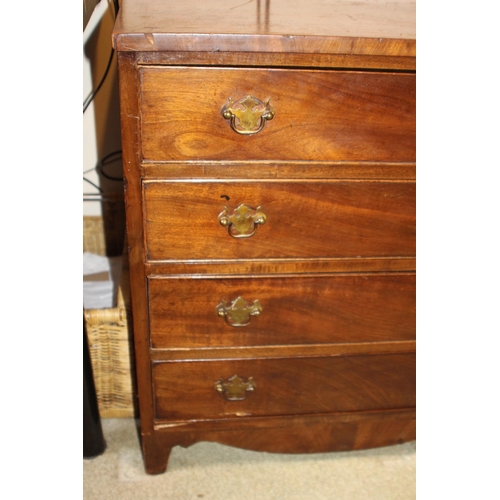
x: 184, y: 220
x: 316, y: 114
x: 217, y: 312
x: 265, y: 387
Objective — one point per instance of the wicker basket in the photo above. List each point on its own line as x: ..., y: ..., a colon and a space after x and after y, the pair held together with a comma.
x: 110, y: 338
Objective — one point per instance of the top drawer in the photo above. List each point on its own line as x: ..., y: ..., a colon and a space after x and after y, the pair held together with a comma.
x: 315, y: 114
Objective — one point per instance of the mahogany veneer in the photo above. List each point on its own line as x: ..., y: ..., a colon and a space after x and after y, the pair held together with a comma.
x: 323, y: 115
x: 286, y: 386
x: 305, y: 219
x: 313, y: 309
x: 269, y: 163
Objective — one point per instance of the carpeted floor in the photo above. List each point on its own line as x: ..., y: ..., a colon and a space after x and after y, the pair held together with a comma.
x: 211, y: 471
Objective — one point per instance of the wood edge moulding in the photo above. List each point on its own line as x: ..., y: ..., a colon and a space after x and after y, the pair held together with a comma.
x: 263, y: 43
x: 305, y: 179
x: 283, y: 60
x: 281, y: 351
x: 278, y: 170
x: 237, y: 423
x: 276, y: 267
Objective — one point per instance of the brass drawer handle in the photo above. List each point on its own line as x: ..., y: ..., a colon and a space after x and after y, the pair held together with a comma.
x: 235, y: 388
x: 238, y: 312
x: 248, y: 115
x: 242, y: 222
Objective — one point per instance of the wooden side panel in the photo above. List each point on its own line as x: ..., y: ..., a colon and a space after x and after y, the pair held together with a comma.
x: 304, y: 219
x: 295, y: 310
x: 129, y: 93
x: 285, y: 386
x: 320, y: 115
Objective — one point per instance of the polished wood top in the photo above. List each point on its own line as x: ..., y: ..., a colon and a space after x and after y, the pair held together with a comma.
x: 369, y: 27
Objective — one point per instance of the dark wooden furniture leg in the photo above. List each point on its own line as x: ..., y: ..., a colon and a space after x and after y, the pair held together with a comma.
x: 93, y: 438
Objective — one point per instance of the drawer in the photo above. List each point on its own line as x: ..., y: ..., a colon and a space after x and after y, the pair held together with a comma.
x: 216, y: 312
x: 270, y: 219
x: 266, y: 387
x: 317, y: 114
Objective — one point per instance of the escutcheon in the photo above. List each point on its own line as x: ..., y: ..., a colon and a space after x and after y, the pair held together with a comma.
x: 242, y: 222
x: 235, y: 388
x: 238, y: 312
x: 248, y: 115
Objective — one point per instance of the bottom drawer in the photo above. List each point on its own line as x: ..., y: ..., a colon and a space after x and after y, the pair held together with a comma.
x: 195, y: 390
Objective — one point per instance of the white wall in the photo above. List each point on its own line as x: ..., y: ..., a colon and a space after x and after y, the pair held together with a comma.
x: 101, y: 123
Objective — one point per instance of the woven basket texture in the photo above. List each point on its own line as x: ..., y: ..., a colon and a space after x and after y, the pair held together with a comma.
x: 110, y: 339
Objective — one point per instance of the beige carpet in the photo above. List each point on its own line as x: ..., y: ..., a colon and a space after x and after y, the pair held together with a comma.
x: 211, y: 471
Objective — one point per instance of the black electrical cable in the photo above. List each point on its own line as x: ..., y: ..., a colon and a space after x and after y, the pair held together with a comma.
x: 86, y: 104
x: 100, y: 169
x: 90, y: 98
x: 95, y: 185
x: 100, y: 165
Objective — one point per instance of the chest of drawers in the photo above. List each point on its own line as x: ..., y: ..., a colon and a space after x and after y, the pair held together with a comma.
x: 269, y: 164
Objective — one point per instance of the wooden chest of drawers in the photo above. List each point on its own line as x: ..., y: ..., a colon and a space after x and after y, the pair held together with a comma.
x: 269, y: 160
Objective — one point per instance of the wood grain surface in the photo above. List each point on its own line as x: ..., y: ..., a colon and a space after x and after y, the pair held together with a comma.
x: 278, y: 59
x: 333, y: 351
x: 298, y: 310
x: 229, y: 169
x: 372, y: 27
x: 285, y: 386
x: 279, y: 267
x: 320, y: 115
x: 312, y: 433
x: 304, y: 219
